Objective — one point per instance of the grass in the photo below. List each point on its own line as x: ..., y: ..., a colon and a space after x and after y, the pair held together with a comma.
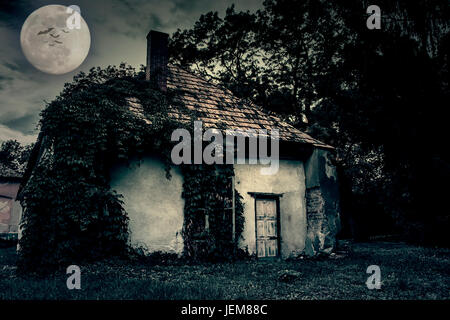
x: 407, y: 272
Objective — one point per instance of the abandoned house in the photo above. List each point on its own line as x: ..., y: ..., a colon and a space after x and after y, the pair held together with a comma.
x: 292, y: 212
x: 10, y: 210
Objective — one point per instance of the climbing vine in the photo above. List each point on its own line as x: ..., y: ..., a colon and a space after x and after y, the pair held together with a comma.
x: 208, y: 212
x: 71, y: 215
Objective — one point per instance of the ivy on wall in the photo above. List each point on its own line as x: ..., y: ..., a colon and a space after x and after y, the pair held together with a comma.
x: 71, y: 215
x: 208, y: 220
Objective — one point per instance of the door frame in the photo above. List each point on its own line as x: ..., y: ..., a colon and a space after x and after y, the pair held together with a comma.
x: 268, y: 196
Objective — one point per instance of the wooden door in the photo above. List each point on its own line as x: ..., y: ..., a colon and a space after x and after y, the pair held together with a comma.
x: 266, y: 228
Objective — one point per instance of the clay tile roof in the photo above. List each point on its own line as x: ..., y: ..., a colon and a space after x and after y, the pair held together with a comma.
x: 218, y: 107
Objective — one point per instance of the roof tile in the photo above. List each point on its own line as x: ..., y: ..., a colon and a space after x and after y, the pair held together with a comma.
x: 218, y: 106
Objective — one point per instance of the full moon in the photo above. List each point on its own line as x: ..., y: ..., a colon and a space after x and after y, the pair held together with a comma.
x: 50, y: 45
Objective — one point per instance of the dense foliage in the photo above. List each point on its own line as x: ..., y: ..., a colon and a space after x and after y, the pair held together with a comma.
x: 71, y: 214
x: 14, y: 156
x: 378, y: 96
x: 207, y: 191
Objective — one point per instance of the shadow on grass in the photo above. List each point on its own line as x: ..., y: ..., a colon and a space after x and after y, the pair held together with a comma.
x: 407, y: 272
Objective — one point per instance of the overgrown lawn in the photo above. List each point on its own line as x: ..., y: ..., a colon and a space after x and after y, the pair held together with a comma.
x: 407, y: 272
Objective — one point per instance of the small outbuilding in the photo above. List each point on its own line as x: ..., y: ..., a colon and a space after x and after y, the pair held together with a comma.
x: 294, y: 211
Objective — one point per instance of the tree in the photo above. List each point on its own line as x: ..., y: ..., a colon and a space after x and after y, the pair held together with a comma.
x: 378, y: 96
x: 274, y: 57
x: 301, y: 47
x: 14, y: 156
x: 221, y: 50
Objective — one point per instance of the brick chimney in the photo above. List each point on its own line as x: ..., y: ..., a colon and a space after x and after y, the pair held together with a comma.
x: 157, y: 56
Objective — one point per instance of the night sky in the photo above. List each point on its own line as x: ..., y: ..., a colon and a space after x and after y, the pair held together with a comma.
x: 118, y: 29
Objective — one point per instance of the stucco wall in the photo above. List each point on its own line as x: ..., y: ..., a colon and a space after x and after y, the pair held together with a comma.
x: 290, y: 181
x: 155, y: 206
x: 153, y: 203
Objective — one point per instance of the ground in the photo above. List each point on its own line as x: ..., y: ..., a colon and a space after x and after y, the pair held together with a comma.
x: 407, y: 272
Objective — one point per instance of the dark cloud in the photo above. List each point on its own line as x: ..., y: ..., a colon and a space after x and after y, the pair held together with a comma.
x: 25, y: 124
x: 118, y: 29
x: 13, y: 12
x: 5, y: 78
x: 15, y: 7
x: 11, y: 66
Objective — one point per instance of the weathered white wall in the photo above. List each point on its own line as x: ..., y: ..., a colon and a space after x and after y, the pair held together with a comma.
x: 153, y: 203
x: 155, y: 206
x: 290, y: 181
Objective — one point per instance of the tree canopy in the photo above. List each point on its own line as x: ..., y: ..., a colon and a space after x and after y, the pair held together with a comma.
x: 378, y: 96
x: 14, y: 156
